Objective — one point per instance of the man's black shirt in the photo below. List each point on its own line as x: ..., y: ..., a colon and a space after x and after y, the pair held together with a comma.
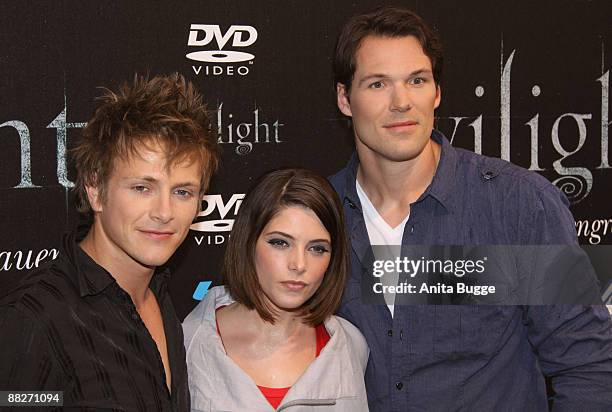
x: 70, y: 327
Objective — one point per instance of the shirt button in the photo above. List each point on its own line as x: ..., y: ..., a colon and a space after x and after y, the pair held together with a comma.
x: 412, y: 229
x: 399, y: 386
x: 488, y: 175
x: 390, y: 333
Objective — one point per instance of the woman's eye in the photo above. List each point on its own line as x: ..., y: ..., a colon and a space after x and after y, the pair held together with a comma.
x: 319, y: 249
x: 279, y: 243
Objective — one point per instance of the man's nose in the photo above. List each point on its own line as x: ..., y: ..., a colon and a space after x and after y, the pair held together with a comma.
x: 401, y: 99
x: 161, y: 210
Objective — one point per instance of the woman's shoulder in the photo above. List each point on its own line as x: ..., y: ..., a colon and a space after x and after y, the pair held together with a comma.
x: 354, y: 338
x: 351, y: 330
x: 204, y: 312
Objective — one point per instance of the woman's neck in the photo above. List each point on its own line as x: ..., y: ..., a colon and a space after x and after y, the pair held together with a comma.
x: 287, y: 325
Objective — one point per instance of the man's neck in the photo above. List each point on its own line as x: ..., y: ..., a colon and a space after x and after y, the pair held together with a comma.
x: 130, y: 275
x: 392, y: 186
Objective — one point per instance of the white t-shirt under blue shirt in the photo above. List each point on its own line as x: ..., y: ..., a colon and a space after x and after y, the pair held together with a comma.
x: 381, y: 234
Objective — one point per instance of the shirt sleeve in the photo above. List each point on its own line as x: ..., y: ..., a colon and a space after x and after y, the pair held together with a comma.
x: 573, y: 343
x: 551, y: 222
x: 574, y: 347
x: 25, y: 359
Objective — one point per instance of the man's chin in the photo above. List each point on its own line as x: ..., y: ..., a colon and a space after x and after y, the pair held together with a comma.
x: 152, y: 261
x: 402, y: 154
x: 398, y: 151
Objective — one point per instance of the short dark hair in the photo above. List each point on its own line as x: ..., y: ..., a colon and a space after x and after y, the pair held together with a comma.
x: 164, y: 110
x: 274, y: 192
x: 384, y: 21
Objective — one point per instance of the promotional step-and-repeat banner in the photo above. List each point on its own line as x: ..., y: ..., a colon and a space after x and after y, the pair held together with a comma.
x: 525, y: 81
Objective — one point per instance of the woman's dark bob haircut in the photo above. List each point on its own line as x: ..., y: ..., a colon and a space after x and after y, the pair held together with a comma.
x: 274, y: 192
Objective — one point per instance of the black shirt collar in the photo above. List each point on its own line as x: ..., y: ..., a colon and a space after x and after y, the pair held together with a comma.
x: 92, y: 278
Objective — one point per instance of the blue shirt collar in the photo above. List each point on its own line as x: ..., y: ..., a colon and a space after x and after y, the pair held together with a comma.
x: 441, y: 187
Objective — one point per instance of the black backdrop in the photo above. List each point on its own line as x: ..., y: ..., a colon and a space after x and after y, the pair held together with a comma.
x: 523, y: 81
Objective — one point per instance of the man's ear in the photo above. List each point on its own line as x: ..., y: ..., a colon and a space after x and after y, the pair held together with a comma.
x: 343, y: 101
x: 438, y: 97
x: 95, y: 200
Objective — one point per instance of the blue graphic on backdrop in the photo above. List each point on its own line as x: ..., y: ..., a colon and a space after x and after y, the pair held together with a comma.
x: 201, y: 290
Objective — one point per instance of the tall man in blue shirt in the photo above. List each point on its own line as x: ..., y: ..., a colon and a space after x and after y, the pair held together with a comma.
x: 406, y: 175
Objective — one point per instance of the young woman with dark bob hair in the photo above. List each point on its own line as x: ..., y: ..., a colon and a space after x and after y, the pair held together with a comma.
x: 268, y: 339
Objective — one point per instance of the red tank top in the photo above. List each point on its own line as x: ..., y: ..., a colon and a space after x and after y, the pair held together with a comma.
x: 276, y: 395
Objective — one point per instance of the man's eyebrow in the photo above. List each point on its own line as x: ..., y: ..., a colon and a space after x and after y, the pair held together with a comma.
x: 152, y: 179
x: 146, y: 178
x: 187, y: 184
x: 421, y: 71
x: 372, y: 77
x: 382, y: 75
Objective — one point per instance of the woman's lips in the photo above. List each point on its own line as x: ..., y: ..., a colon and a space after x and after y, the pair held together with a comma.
x: 293, y: 285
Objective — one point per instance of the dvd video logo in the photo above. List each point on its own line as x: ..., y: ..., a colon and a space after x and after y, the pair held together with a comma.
x: 212, y: 204
x: 237, y: 36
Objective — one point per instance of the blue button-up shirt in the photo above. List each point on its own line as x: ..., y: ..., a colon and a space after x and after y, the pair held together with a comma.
x: 478, y: 357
